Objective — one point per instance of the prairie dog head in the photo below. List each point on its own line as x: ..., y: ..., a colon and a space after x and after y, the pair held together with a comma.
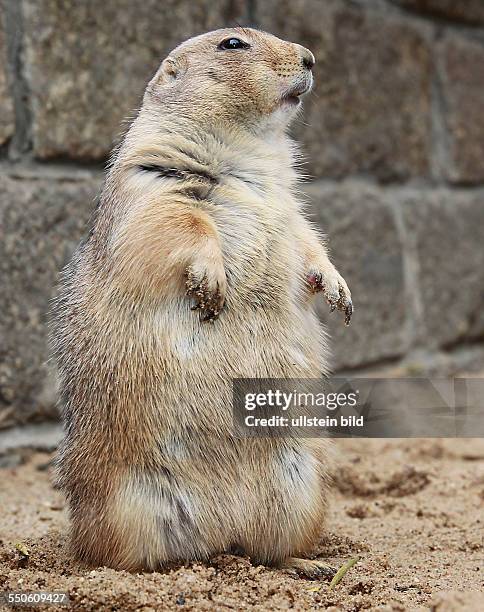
x: 237, y: 75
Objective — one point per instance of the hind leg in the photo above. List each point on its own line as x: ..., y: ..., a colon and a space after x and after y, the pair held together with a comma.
x: 289, y: 509
x: 149, y: 522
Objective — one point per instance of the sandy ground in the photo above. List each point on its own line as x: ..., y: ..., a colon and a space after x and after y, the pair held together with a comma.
x: 411, y: 510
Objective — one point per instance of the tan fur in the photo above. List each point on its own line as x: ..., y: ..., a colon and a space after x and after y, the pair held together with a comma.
x: 200, y: 197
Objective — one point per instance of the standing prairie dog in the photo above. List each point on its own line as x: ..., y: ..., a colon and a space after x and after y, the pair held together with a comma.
x: 199, y: 268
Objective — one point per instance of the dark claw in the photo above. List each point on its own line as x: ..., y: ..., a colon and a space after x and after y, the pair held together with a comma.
x: 207, y: 303
x: 345, y: 305
x: 348, y: 313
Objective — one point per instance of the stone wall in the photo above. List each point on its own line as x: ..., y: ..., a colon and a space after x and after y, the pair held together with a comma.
x: 394, y: 135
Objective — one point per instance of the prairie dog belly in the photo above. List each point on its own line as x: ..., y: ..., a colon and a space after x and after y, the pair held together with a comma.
x: 255, y: 347
x: 255, y: 336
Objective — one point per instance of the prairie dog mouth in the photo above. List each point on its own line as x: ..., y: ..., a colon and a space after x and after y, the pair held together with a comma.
x: 293, y: 95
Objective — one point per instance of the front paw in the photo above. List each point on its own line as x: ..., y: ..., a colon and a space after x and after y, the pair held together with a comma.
x: 206, y: 286
x: 334, y: 287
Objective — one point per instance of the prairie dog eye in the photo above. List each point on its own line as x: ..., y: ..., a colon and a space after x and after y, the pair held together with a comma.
x: 232, y: 44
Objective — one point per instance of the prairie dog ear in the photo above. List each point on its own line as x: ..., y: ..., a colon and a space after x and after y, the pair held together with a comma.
x: 169, y: 69
x: 168, y: 72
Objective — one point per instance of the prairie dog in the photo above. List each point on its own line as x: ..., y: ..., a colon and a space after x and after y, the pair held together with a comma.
x: 198, y: 211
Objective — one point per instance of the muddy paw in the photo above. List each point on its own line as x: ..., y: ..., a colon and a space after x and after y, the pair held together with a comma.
x: 335, y: 289
x: 310, y: 568
x: 207, y: 292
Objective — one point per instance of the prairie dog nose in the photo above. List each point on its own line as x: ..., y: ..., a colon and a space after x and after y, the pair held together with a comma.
x: 307, y: 58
